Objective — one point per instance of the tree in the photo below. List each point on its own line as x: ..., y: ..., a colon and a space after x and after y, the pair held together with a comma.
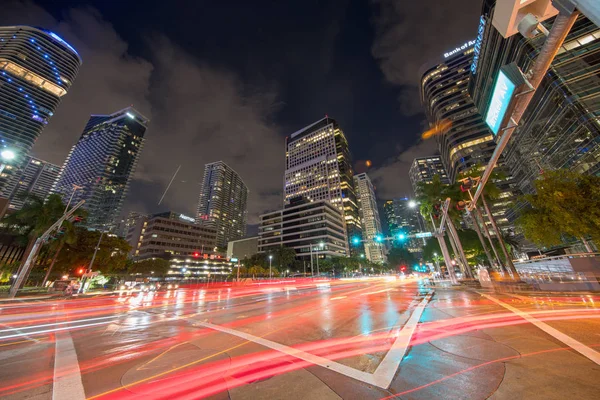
x: 492, y: 191
x: 36, y: 216
x: 152, y: 266
x: 67, y: 234
x: 431, y: 196
x: 566, y: 203
x: 111, y: 257
x: 283, y: 257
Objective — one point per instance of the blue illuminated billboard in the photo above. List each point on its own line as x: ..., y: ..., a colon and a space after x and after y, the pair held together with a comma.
x: 501, y: 97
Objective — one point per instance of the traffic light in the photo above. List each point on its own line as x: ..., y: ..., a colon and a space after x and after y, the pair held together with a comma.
x: 466, y: 184
x: 196, y: 254
x: 355, y: 240
x: 436, y: 211
x: 401, y: 236
x: 461, y: 205
x: 80, y: 271
x: 75, y: 219
x: 378, y: 238
x: 403, y: 268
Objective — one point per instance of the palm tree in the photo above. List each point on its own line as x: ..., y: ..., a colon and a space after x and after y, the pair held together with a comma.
x: 34, y: 219
x: 432, y: 195
x: 68, y: 236
x: 492, y: 192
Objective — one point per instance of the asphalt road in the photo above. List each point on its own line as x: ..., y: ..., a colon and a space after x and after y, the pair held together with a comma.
x: 354, y: 339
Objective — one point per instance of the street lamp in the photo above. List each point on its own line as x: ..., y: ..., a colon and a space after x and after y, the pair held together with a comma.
x: 321, y: 244
x: 270, y: 262
x: 412, y: 204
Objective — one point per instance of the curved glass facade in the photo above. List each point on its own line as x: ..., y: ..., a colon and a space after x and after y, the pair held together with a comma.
x: 561, y: 126
x: 37, y: 68
x: 444, y: 94
x: 102, y: 163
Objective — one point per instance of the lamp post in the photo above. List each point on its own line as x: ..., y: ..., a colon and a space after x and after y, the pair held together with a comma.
x: 270, y: 262
x: 321, y: 244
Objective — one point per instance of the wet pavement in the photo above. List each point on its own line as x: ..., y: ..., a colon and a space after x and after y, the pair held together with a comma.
x: 343, y: 339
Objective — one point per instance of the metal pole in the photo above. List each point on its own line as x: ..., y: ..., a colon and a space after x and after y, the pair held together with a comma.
x: 24, y: 270
x: 312, y: 271
x: 509, y: 264
x: 461, y: 252
x: 481, y: 239
x: 270, y: 261
x: 440, y: 237
x: 486, y: 233
x: 317, y: 256
x: 75, y: 187
x: 560, y: 29
x: 238, y: 271
x: 89, y: 270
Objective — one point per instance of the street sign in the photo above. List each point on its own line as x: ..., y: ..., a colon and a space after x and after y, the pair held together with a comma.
x: 421, y: 235
x: 233, y: 259
x: 92, y: 274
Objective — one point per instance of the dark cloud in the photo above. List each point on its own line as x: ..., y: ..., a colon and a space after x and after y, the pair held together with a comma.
x: 409, y: 36
x: 199, y: 114
x: 392, y: 180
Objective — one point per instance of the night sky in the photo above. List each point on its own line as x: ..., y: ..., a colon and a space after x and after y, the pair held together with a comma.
x: 228, y: 80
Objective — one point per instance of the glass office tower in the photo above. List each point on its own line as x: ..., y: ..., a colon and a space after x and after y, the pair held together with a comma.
x: 102, y: 163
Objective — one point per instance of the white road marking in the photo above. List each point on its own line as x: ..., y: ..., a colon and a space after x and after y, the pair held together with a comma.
x: 311, y: 358
x: 26, y: 327
x: 55, y: 330
x: 383, y: 375
x: 576, y: 345
x: 389, y: 365
x: 67, y: 376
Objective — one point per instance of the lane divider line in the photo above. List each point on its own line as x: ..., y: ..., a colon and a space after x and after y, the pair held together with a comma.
x: 387, y: 368
x: 383, y: 375
x: 576, y: 345
x: 66, y: 386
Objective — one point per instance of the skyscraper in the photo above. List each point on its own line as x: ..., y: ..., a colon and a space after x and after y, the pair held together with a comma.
x: 37, y: 68
x: 468, y: 141
x: 319, y: 167
x: 35, y: 177
x: 445, y: 96
x: 560, y: 127
x: 425, y: 168
x: 102, y: 163
x: 369, y: 216
x: 223, y: 202
x: 402, y: 217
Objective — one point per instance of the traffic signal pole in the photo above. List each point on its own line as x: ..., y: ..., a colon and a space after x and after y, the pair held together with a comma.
x: 559, y: 31
x: 25, y: 269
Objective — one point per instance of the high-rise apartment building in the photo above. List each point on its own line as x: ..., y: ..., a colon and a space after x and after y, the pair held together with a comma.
x: 127, y: 222
x: 37, y: 68
x: 102, y: 163
x: 466, y: 140
x: 425, y: 168
x: 35, y: 177
x: 223, y: 202
x: 560, y: 127
x: 319, y: 167
x: 369, y: 217
x: 444, y: 94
